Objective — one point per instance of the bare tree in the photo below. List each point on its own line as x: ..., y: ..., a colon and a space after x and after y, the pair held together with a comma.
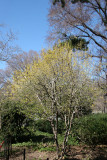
x: 7, y: 47
x: 87, y: 20
x: 21, y: 60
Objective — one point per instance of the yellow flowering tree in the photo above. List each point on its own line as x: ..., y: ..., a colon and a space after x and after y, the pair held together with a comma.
x: 57, y: 86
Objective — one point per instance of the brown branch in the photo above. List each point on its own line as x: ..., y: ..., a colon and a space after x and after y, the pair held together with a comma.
x: 105, y: 49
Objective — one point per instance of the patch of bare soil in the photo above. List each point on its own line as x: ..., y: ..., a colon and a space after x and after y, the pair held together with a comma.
x: 87, y: 153
x: 74, y: 153
x: 34, y: 155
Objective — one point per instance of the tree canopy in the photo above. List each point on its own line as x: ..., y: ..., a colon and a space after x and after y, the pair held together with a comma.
x: 6, y: 44
x: 86, y: 20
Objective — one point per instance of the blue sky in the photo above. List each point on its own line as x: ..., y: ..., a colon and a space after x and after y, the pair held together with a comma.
x: 28, y: 20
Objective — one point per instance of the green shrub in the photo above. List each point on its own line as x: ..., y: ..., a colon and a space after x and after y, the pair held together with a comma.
x: 91, y: 129
x: 14, y: 122
x: 73, y: 141
x: 45, y: 126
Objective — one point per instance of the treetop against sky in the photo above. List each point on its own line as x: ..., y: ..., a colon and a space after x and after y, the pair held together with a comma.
x: 29, y: 23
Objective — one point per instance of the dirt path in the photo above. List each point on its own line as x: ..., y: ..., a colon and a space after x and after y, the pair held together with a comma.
x: 37, y: 155
x: 74, y: 153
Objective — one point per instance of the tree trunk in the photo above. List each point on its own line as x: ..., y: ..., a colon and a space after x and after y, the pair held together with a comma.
x: 0, y: 120
x: 54, y: 128
x: 67, y: 133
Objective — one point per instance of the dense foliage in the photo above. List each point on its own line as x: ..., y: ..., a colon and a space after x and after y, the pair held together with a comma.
x: 45, y: 126
x: 91, y: 129
x: 14, y: 121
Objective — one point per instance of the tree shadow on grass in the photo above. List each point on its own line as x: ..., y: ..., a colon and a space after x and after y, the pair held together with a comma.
x: 42, y: 138
x: 37, y: 139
